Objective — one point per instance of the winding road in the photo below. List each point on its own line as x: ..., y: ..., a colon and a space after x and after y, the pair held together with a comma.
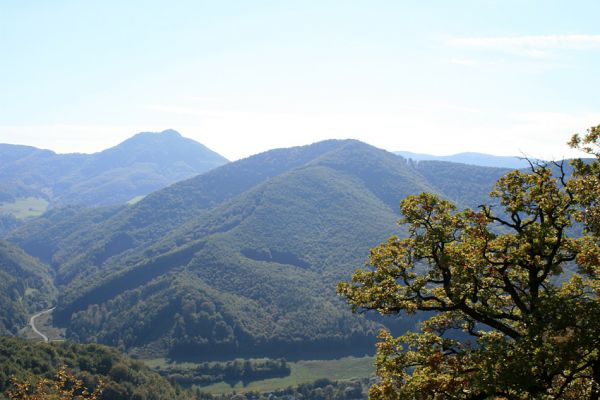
x: 32, y: 323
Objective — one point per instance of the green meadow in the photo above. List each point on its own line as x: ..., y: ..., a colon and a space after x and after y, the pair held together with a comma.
x: 25, y: 208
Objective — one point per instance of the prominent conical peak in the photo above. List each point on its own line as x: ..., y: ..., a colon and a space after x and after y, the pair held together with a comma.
x: 141, y: 137
x: 168, y: 143
x: 167, y: 133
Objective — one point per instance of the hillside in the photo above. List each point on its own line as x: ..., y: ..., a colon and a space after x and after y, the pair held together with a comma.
x: 25, y: 287
x: 125, y: 378
x: 241, y: 260
x: 139, y: 165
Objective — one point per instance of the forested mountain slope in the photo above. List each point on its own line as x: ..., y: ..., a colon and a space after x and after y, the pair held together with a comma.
x: 25, y: 287
x: 63, y: 236
x: 242, y: 259
x: 139, y: 165
x: 123, y: 377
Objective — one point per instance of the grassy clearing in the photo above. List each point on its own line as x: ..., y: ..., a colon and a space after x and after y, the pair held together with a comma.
x: 301, y: 372
x: 25, y: 208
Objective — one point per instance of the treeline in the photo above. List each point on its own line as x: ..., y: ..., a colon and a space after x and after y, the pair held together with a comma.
x: 321, y: 389
x: 231, y: 372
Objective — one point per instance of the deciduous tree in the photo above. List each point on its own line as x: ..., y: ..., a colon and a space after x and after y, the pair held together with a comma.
x: 511, y: 290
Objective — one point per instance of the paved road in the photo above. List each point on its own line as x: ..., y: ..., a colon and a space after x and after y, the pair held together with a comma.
x: 32, y: 323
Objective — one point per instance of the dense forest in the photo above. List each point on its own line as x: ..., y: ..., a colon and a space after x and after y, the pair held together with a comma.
x: 125, y: 378
x: 241, y: 260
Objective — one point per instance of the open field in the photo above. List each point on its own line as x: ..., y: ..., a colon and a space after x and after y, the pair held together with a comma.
x: 25, y: 208
x: 304, y: 371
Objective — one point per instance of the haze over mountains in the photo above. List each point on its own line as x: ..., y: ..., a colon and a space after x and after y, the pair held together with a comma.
x: 136, y: 167
x: 481, y: 159
x: 240, y: 260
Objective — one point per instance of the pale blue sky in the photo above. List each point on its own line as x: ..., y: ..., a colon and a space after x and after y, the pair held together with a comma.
x: 502, y: 77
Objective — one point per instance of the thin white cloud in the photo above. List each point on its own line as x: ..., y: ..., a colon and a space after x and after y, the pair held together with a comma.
x: 215, y: 112
x: 463, y: 61
x: 206, y: 99
x: 406, y: 106
x: 529, y: 46
x: 557, y: 42
x: 180, y: 110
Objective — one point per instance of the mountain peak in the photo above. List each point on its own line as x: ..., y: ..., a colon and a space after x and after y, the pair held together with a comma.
x: 154, y: 137
x: 170, y: 132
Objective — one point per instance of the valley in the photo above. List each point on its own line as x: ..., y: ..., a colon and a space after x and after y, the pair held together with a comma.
x: 302, y: 372
x: 212, y: 280
x: 299, y: 200
x: 229, y: 262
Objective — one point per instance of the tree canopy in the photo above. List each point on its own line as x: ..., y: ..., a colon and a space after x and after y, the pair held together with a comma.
x: 510, y: 291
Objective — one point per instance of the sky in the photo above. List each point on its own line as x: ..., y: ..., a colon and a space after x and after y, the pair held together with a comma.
x: 241, y: 77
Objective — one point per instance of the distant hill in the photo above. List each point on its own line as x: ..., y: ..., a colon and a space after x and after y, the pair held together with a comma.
x: 485, y: 160
x: 32, y: 179
x: 241, y: 260
x: 25, y: 287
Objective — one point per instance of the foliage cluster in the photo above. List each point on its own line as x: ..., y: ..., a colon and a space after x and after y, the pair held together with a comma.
x: 514, y: 298
x: 64, y: 386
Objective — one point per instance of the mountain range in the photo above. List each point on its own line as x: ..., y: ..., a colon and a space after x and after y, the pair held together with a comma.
x: 32, y: 178
x: 242, y: 259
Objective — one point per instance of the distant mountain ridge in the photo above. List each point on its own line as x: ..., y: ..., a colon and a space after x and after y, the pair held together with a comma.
x: 139, y: 165
x: 481, y: 159
x: 242, y: 259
